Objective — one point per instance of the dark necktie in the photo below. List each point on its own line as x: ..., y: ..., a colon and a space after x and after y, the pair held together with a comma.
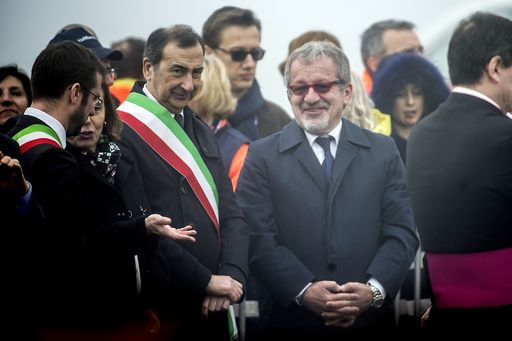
x: 325, y: 143
x: 179, y: 119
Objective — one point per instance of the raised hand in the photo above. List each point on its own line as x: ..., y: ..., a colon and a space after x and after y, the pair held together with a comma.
x: 160, y: 225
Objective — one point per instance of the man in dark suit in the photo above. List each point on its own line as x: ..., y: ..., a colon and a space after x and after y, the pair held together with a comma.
x: 331, y: 237
x: 184, y: 179
x: 66, y: 79
x: 460, y: 178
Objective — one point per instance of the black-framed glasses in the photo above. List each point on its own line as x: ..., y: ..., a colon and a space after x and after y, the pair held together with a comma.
x: 319, y: 87
x: 239, y: 54
x: 98, y: 102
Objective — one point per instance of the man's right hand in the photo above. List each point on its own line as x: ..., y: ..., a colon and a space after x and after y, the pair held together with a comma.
x: 225, y: 286
x: 319, y: 293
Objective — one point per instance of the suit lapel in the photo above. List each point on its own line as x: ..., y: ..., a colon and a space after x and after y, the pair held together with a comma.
x: 293, y: 135
x: 351, y: 140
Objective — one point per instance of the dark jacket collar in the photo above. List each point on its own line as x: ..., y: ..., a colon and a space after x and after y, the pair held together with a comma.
x: 248, y: 105
x: 292, y: 135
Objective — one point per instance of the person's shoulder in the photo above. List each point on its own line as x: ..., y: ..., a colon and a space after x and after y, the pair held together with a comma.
x: 272, y: 108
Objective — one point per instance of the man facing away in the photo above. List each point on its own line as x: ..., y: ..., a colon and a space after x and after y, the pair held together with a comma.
x: 332, y: 239
x: 184, y: 179
x: 460, y: 178
x: 234, y: 35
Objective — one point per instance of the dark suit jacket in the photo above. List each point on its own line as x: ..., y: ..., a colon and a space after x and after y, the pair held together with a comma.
x: 460, y: 177
x: 116, y: 230
x: 169, y: 194
x: 302, y: 231
x: 57, y: 242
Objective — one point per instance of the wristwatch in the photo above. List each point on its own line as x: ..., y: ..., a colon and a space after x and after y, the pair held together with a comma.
x: 377, y: 298
x: 300, y: 298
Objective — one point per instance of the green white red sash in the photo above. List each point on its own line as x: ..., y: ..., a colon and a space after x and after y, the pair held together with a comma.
x: 36, y: 135
x: 164, y: 135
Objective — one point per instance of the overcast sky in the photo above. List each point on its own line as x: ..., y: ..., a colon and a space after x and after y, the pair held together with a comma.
x: 28, y: 25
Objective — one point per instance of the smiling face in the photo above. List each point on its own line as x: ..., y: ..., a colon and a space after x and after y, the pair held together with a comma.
x: 13, y: 98
x: 408, y: 106
x: 176, y: 79
x: 317, y: 113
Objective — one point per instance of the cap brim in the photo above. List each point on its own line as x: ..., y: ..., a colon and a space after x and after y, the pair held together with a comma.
x: 106, y: 53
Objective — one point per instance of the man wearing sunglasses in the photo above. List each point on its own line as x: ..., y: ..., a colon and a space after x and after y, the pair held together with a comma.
x: 332, y: 234
x: 234, y: 35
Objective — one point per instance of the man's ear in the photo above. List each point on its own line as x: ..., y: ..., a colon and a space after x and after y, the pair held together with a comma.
x: 75, y: 93
x: 494, y: 67
x: 373, y: 63
x: 347, y: 93
x: 147, y: 69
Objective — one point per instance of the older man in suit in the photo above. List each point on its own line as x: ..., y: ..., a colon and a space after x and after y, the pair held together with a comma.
x: 332, y: 233
x: 460, y: 176
x: 184, y: 179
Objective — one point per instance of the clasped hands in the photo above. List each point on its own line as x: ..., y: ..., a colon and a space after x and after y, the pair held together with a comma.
x: 338, y: 305
x: 221, y: 292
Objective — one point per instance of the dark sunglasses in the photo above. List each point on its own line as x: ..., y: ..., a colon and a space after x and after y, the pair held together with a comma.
x: 239, y: 54
x: 319, y: 88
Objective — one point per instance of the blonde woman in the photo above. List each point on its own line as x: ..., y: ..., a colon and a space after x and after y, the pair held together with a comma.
x: 214, y: 103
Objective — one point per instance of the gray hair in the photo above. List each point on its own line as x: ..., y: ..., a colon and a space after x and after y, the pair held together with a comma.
x: 371, y: 40
x: 316, y: 49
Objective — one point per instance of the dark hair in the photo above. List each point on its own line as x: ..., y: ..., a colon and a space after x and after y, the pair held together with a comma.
x: 183, y: 35
x: 133, y: 52
x: 371, y: 40
x: 113, y: 124
x: 397, y: 70
x: 475, y: 42
x: 225, y: 17
x: 12, y: 70
x: 62, y: 64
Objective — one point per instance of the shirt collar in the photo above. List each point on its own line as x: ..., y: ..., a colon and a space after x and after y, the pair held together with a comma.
x: 50, y: 121
x: 472, y: 92
x: 335, y: 133
x: 150, y: 96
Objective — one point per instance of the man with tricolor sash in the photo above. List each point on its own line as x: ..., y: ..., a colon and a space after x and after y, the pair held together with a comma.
x: 66, y: 81
x: 184, y: 180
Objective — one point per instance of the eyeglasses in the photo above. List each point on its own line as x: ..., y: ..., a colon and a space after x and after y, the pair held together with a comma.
x: 98, y: 102
x: 239, y: 54
x: 319, y: 88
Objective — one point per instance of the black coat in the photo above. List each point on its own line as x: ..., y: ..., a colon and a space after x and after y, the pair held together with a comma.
x: 460, y: 177
x: 221, y: 252
x: 56, y: 243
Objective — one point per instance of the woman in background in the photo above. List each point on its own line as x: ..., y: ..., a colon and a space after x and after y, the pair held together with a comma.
x: 408, y: 87
x: 15, y: 95
x: 214, y: 103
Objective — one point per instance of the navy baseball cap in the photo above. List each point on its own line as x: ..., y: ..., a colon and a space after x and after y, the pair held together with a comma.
x: 82, y: 37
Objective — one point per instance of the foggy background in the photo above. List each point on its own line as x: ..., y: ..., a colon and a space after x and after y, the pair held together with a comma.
x: 28, y: 25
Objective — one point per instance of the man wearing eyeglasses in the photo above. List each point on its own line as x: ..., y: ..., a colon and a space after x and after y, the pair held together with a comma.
x: 234, y: 35
x: 66, y: 83
x: 332, y: 233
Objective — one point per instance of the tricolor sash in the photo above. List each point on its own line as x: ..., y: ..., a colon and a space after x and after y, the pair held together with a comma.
x: 156, y: 126
x: 35, y: 135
